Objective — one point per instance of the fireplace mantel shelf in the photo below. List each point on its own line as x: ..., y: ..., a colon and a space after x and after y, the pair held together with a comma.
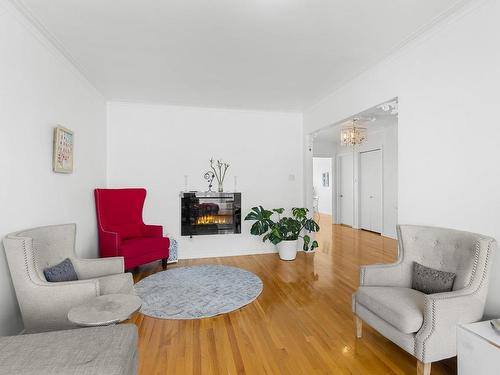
x: 207, y: 194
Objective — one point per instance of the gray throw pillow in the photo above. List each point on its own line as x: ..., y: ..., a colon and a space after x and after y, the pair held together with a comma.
x: 429, y: 281
x: 63, y: 271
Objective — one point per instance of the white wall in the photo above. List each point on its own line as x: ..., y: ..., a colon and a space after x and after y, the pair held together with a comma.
x: 320, y: 166
x: 154, y: 146
x: 324, y: 149
x: 38, y: 90
x: 390, y: 201
x: 448, y: 133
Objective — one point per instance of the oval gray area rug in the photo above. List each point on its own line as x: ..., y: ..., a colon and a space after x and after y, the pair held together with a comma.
x: 197, y: 292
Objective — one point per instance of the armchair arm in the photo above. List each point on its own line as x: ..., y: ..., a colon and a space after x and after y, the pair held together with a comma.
x: 45, y: 305
x: 109, y: 243
x: 383, y: 275
x: 91, y: 268
x: 152, y: 230
x: 436, y: 339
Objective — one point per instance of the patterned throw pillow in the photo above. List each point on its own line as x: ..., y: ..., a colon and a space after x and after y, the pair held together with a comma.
x: 429, y: 281
x: 63, y: 271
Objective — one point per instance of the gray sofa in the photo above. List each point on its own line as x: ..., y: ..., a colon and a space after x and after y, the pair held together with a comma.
x: 425, y: 324
x: 86, y: 351
x: 44, y: 305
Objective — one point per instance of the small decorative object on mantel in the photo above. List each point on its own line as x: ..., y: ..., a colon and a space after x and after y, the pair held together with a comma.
x: 220, y: 168
x: 284, y: 233
x: 62, y: 158
x: 209, y: 176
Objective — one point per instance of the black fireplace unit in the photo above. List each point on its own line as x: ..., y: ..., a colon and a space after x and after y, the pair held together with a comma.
x: 205, y: 213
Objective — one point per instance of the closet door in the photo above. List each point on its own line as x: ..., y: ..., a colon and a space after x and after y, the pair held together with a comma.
x: 370, y: 188
x: 345, y: 189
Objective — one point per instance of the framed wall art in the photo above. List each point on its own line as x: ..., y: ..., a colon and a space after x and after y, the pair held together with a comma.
x: 62, y: 159
x: 325, y: 179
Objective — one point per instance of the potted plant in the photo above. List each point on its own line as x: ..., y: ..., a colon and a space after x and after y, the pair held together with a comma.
x: 285, y: 231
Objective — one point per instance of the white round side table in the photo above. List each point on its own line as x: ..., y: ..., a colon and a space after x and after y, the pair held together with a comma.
x: 105, y: 310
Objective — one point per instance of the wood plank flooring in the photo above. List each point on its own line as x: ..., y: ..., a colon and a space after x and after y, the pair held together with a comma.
x: 300, y: 324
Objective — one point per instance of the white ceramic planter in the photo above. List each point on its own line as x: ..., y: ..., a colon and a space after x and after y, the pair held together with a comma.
x: 287, y: 249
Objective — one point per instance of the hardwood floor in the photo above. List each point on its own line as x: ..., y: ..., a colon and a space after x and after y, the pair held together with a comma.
x: 300, y: 324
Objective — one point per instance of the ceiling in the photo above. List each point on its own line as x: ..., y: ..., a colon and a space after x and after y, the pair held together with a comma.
x: 373, y: 119
x: 278, y: 55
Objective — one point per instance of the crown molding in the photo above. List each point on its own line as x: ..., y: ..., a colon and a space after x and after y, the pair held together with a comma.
x: 26, y: 17
x: 126, y: 102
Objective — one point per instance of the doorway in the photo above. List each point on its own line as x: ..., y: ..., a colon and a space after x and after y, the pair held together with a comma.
x: 322, y: 186
x: 364, y: 195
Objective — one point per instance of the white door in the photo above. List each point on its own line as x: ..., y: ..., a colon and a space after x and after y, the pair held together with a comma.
x: 345, y: 189
x: 370, y: 190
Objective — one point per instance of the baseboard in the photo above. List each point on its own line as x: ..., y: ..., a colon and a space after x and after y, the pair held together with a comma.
x: 202, y: 255
x: 393, y: 236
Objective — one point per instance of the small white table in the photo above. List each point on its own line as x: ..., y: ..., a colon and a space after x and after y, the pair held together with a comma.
x: 105, y: 310
x: 478, y: 349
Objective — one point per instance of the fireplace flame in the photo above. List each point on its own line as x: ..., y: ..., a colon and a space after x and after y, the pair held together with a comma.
x: 213, y: 219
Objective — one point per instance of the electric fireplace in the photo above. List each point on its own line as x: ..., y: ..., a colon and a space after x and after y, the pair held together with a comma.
x: 204, y: 213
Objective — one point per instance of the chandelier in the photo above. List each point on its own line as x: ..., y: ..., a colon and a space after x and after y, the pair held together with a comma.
x: 352, y: 135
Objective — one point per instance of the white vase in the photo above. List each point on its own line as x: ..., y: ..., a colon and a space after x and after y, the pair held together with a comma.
x: 287, y: 249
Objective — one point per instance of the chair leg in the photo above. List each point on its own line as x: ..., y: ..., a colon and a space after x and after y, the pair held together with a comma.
x: 164, y: 263
x: 359, y: 326
x: 423, y: 368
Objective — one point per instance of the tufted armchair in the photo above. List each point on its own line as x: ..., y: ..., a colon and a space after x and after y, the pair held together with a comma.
x: 45, y: 305
x: 425, y: 324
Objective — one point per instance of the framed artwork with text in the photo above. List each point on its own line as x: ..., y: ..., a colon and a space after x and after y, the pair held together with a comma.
x: 63, y: 150
x: 325, y: 179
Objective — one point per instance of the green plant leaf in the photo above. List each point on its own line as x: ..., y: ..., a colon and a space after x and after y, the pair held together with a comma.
x: 259, y: 213
x: 259, y: 227
x: 307, y: 239
x: 275, y: 236
x: 279, y: 210
x: 299, y: 213
x: 311, y: 225
x: 314, y: 245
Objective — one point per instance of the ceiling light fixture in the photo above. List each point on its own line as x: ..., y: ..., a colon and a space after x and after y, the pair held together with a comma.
x: 352, y: 135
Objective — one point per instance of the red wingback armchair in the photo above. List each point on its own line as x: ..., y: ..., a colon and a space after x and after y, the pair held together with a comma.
x: 122, y: 231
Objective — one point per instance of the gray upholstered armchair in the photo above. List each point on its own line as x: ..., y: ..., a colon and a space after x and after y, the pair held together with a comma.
x: 425, y: 324
x: 44, y: 305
